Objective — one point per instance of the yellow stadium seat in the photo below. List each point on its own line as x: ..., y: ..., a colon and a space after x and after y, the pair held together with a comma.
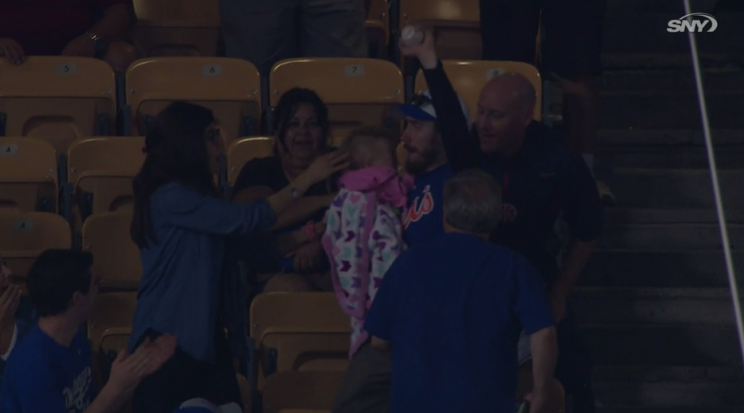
x: 58, y: 99
x: 357, y: 91
x: 378, y: 28
x: 177, y: 27
x: 112, y: 341
x: 112, y: 313
x: 244, y: 150
x: 246, y: 393
x: 299, y: 331
x: 100, y: 172
x: 230, y: 87
x: 456, y: 25
x: 28, y: 174
x: 115, y: 255
x: 469, y: 77
x: 25, y: 235
x: 301, y: 391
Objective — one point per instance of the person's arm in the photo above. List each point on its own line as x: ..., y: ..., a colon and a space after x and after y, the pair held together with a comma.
x: 463, y: 151
x: 296, y: 213
x: 380, y: 344
x: 189, y: 209
x: 118, y: 19
x: 532, y: 308
x: 252, y: 185
x: 544, y: 349
x: 291, y: 242
x: 582, y: 210
x: 8, y: 339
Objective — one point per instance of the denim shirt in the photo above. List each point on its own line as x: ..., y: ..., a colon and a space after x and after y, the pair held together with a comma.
x: 184, y: 273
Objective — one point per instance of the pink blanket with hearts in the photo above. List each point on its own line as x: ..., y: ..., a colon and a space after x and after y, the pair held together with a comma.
x: 363, y: 237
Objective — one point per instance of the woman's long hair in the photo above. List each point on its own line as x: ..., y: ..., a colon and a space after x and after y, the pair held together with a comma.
x: 175, y: 144
x: 287, y: 107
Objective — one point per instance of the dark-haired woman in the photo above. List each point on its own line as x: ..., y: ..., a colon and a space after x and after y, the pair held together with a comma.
x: 302, y: 126
x: 181, y: 225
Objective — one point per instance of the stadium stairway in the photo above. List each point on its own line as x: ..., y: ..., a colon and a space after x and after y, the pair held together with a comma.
x: 654, y: 301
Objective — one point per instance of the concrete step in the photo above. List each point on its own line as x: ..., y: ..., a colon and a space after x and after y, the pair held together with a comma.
x: 671, y: 394
x: 672, y: 6
x: 640, y: 60
x: 666, y: 138
x: 670, y: 80
x: 608, y: 159
x: 662, y: 345
x: 669, y: 216
x: 678, y: 306
x: 647, y: 32
x: 658, y: 110
x: 682, y: 269
x: 660, y: 374
x: 668, y: 237
x: 675, y: 188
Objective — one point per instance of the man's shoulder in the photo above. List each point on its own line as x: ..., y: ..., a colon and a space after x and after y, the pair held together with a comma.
x: 30, y: 356
x: 547, y: 149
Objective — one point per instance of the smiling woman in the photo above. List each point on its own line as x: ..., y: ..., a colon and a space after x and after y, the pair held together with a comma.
x: 301, y: 126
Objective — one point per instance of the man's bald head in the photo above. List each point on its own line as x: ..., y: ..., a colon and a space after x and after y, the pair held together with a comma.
x: 515, y: 88
x: 505, y: 108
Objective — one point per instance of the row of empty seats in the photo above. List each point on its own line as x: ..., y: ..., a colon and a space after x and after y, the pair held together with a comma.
x: 97, y: 175
x: 62, y: 99
x: 192, y: 27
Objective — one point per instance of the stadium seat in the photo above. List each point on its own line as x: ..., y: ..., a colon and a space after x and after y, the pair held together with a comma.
x: 246, y: 393
x: 112, y: 313
x: 58, y: 99
x: 357, y: 91
x: 116, y: 256
x: 301, y: 391
x: 112, y: 341
x: 244, y: 150
x: 177, y: 27
x: 469, y: 77
x: 230, y: 87
x: 298, y: 331
x: 28, y: 174
x: 100, y: 172
x: 456, y: 25
x: 378, y: 28
x: 24, y: 235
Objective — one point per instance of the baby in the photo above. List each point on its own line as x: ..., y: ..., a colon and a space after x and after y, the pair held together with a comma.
x: 363, y: 230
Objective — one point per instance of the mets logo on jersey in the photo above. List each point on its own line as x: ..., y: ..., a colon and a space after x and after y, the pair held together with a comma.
x: 420, y: 206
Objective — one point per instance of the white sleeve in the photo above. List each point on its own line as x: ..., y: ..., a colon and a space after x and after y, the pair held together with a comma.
x: 12, y: 342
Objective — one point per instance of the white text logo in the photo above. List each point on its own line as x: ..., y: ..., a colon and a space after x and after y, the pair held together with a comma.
x: 704, y: 23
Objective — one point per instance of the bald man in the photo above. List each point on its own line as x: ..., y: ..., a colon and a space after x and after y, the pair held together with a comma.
x: 571, y: 54
x: 541, y: 181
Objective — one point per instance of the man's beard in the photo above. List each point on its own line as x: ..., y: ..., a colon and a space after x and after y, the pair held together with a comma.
x: 426, y: 159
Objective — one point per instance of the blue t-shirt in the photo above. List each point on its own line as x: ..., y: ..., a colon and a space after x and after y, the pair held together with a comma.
x: 424, y: 218
x: 452, y: 309
x: 44, y: 376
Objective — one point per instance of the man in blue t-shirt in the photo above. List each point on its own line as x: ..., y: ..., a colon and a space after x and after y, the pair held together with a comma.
x: 454, y: 344
x: 50, y: 370
x: 427, y: 161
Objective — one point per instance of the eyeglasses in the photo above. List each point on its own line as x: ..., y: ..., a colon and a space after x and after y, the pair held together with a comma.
x: 420, y: 99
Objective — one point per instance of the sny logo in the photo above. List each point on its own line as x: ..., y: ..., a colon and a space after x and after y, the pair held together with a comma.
x: 686, y: 23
